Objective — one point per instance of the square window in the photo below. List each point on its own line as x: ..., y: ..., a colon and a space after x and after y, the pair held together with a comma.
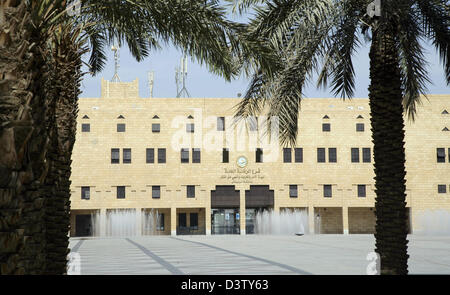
x: 326, y: 127
x: 220, y: 123
x: 195, y: 155
x: 360, y: 127
x: 156, y: 191
x: 161, y: 155
x: 190, y: 127
x: 85, y: 127
x: 320, y: 155
x: 259, y: 155
x: 327, y: 190
x: 332, y: 155
x: 293, y: 191
x: 156, y: 127
x: 126, y: 156
x: 355, y: 155
x: 85, y: 192
x: 120, y: 192
x: 150, y: 155
x: 184, y: 155
x: 190, y: 191
x: 287, y: 155
x: 298, y: 155
x: 225, y: 155
x: 361, y: 190
x: 442, y: 188
x: 367, y: 155
x: 440, y: 155
x: 115, y: 156
x: 121, y: 127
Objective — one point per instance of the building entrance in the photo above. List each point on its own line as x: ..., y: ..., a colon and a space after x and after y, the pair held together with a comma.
x: 83, y: 225
x: 258, y: 199
x: 225, y: 221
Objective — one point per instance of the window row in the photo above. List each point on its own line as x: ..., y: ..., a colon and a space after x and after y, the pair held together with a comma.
x: 327, y: 191
x: 121, y: 192
x: 326, y: 127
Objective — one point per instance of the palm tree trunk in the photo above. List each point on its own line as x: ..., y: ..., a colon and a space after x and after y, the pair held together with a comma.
x: 385, y: 95
x: 23, y: 142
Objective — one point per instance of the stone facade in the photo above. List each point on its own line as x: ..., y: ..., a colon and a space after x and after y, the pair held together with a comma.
x: 92, y: 164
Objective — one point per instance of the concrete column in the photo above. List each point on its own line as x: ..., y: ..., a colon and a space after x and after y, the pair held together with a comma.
x: 345, y: 219
x: 138, y: 221
x: 173, y: 221
x: 311, y: 219
x: 103, y: 222
x: 208, y: 219
x: 242, y: 210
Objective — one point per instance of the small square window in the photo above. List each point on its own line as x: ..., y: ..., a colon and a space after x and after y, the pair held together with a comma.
x: 156, y: 192
x: 298, y: 155
x: 259, y: 155
x: 220, y: 123
x: 327, y: 190
x: 126, y: 156
x: 115, y: 156
x: 85, y: 127
x: 156, y: 127
x: 190, y: 127
x: 320, y: 155
x: 293, y: 191
x: 85, y: 192
x: 361, y: 190
x: 287, y: 155
x: 326, y: 127
x: 121, y: 127
x: 120, y: 192
x: 190, y: 191
x: 161, y: 155
x: 442, y: 189
x: 225, y: 155
x: 360, y: 127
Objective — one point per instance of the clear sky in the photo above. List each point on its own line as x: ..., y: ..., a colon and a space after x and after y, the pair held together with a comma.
x: 201, y: 83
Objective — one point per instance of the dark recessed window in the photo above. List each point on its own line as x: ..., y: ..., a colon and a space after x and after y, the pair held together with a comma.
x: 320, y: 155
x: 259, y: 155
x: 161, y: 155
x: 360, y: 127
x: 193, y: 221
x: 367, y: 155
x: 326, y: 127
x: 441, y: 155
x: 190, y: 191
x: 253, y: 123
x: 327, y: 191
x: 85, y: 192
x: 156, y: 191
x: 298, y: 155
x: 156, y: 127
x: 85, y: 127
x: 361, y: 190
x: 182, y: 219
x: 355, y: 155
x: 160, y: 222
x: 150, y: 153
x: 442, y: 188
x: 293, y: 191
x: 184, y: 155
x: 225, y: 155
x: 287, y: 155
x: 126, y: 156
x: 115, y: 156
x: 195, y: 155
x: 332, y: 155
x: 120, y: 192
x: 221, y: 124
x: 190, y: 127
x: 121, y: 127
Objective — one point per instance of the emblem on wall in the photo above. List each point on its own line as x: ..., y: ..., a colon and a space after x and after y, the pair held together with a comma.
x: 242, y: 161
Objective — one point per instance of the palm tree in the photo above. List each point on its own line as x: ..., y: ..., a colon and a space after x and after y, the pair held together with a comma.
x: 323, y: 35
x: 40, y: 56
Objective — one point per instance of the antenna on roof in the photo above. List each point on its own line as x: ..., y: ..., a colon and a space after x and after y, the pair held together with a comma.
x: 116, y: 78
x: 180, y: 77
x: 151, y: 76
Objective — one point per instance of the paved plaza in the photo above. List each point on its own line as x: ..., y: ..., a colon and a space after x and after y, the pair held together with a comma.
x: 249, y: 255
